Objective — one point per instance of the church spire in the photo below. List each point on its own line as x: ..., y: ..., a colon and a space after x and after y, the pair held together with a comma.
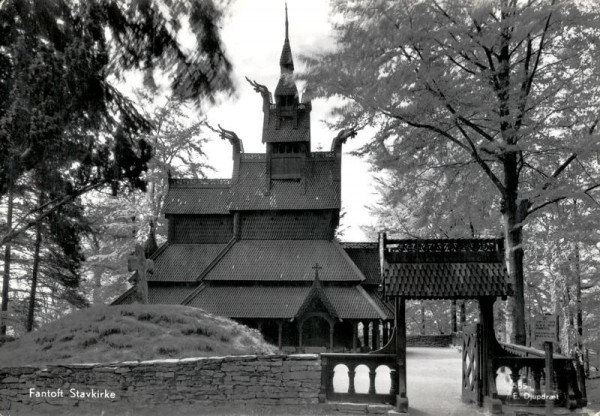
x: 286, y: 125
x: 286, y: 62
x: 286, y: 24
x: 286, y: 93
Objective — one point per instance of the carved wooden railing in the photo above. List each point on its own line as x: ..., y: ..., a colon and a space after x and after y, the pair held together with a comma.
x: 456, y: 250
x: 527, y: 365
x: 329, y: 362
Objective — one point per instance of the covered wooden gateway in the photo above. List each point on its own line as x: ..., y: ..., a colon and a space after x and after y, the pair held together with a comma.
x: 469, y: 269
x: 447, y: 269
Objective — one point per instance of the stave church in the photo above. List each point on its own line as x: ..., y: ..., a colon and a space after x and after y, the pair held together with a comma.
x: 260, y: 247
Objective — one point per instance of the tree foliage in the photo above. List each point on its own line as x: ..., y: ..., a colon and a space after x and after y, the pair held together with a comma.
x: 63, y: 120
x: 510, y: 87
x: 59, y: 64
x: 121, y: 222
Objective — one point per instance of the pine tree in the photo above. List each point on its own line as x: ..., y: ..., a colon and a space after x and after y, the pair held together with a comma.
x: 59, y: 64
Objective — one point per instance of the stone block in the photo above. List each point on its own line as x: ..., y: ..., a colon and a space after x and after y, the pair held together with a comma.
x: 239, y: 358
x: 308, y: 394
x: 240, y: 389
x: 228, y: 368
x: 244, y: 396
x: 270, y: 363
x: 104, y: 369
x: 302, y: 375
x: 379, y: 409
x: 303, y: 357
x: 277, y: 395
x: 298, y: 368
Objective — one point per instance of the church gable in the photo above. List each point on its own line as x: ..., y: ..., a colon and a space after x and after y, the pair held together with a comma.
x: 291, y: 125
x: 287, y: 225
x: 198, y: 196
x: 318, y: 189
x: 200, y: 229
x: 316, y: 302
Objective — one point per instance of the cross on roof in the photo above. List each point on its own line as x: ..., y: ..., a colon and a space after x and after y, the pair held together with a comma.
x: 316, y: 268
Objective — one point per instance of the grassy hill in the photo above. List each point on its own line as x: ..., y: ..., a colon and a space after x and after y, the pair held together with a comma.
x: 133, y: 332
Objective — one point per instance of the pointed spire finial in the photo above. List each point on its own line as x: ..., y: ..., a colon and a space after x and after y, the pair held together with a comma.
x: 286, y: 23
x: 286, y: 62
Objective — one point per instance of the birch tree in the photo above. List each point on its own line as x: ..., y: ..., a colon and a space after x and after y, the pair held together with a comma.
x: 508, y: 86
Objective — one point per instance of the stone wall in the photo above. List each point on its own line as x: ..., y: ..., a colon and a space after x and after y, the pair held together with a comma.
x: 438, y: 341
x: 264, y: 380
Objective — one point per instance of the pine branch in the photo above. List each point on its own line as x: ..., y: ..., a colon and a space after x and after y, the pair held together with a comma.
x: 23, y: 224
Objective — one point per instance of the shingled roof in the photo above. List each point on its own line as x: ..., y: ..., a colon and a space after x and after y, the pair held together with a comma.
x: 319, y: 190
x: 283, y: 302
x: 183, y: 262
x: 446, y: 280
x: 284, y: 261
x: 366, y: 257
x: 198, y: 196
x: 445, y: 269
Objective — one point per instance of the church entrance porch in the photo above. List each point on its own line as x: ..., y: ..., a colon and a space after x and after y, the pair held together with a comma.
x: 316, y: 333
x: 316, y: 330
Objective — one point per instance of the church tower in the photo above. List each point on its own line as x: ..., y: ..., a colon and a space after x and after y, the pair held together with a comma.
x: 286, y: 126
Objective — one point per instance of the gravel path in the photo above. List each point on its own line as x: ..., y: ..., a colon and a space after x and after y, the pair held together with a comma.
x: 434, y: 382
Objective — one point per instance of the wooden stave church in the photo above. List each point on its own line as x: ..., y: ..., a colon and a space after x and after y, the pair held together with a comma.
x: 260, y: 247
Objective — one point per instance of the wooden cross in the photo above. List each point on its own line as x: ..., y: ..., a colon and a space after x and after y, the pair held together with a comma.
x: 138, y: 263
x: 316, y: 268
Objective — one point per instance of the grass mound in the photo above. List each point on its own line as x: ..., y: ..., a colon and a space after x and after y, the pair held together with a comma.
x: 133, y: 332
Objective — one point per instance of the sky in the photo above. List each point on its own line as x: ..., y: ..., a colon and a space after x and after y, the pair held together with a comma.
x: 253, y: 34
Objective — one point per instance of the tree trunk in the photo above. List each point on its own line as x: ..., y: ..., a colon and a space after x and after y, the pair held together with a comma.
x: 6, y: 277
x: 463, y: 314
x: 34, y: 273
x: 514, y: 212
x: 579, y: 311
